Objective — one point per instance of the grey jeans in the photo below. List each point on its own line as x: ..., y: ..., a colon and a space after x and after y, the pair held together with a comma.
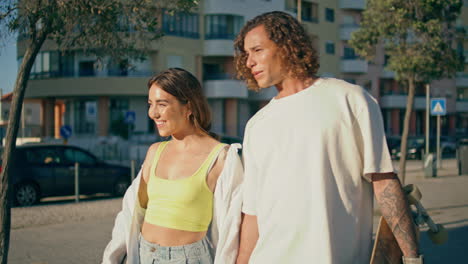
x: 195, y: 253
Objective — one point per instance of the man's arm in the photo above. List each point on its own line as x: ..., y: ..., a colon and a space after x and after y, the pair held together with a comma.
x: 395, y: 209
x: 248, y: 238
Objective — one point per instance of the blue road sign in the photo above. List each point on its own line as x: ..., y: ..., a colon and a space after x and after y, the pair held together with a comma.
x: 65, y: 131
x: 130, y: 117
x: 438, y: 106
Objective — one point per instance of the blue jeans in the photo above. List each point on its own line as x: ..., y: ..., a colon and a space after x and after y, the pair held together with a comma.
x: 195, y: 253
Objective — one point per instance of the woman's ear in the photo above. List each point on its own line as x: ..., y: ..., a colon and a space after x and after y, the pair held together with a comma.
x: 189, y: 110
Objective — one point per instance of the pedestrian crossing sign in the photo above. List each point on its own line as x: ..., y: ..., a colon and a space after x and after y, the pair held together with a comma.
x: 438, y: 106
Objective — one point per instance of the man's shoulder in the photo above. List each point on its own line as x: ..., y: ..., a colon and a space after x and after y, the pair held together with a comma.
x: 339, y: 85
x: 352, y: 92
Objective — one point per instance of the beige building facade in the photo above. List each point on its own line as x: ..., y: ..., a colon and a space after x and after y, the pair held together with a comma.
x: 93, y: 95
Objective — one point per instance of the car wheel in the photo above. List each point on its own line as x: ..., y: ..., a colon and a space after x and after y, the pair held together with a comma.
x: 120, y: 187
x: 26, y: 194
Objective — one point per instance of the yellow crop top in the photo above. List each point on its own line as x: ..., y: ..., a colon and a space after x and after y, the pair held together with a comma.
x: 183, y: 204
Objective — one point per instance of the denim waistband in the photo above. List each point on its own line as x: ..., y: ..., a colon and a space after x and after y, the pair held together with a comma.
x: 197, y: 249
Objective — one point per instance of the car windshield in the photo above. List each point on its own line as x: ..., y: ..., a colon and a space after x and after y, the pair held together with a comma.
x: 415, y: 141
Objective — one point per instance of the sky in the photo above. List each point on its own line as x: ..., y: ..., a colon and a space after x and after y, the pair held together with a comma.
x: 8, y: 65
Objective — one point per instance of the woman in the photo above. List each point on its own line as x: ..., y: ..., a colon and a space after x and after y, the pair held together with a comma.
x: 179, y: 186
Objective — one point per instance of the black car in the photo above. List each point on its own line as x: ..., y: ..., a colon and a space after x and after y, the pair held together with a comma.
x: 49, y: 170
x: 416, y: 147
x: 230, y: 139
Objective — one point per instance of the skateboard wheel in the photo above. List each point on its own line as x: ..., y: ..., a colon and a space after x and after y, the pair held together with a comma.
x: 413, y: 193
x: 439, y: 237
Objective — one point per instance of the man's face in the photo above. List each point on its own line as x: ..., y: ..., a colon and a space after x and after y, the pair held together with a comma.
x: 263, y: 58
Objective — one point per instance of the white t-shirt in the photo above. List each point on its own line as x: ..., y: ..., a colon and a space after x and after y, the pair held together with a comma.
x: 306, y: 156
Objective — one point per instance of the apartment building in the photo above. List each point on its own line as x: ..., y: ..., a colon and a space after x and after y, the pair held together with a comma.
x: 30, y: 121
x: 92, y: 95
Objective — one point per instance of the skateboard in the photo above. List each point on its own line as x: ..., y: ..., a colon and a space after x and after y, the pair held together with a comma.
x: 386, y: 249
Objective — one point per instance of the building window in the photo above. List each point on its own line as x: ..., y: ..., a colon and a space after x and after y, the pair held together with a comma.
x: 118, y: 68
x: 86, y: 68
x: 66, y: 65
x: 386, y: 58
x: 181, y: 24
x: 460, y: 49
x: 118, y: 108
x: 85, y: 113
x: 222, y: 26
x: 215, y: 72
x: 349, y: 54
x: 309, y: 10
x: 46, y: 65
x: 330, y: 47
x: 329, y: 15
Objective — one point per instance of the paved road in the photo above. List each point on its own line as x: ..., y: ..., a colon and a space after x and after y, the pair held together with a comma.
x: 72, y: 242
x: 77, y: 233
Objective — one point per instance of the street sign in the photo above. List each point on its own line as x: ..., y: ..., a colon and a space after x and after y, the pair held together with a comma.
x: 65, y: 131
x: 130, y: 117
x: 438, y: 106
x: 91, y: 111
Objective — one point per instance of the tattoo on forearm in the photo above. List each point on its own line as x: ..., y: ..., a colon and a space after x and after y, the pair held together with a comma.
x: 395, y: 209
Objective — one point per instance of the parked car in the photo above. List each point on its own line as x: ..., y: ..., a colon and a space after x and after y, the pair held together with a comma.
x: 230, y: 139
x: 417, y: 145
x: 49, y: 170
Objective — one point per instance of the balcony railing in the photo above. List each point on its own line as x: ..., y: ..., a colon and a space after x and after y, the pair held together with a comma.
x: 129, y: 73
x: 110, y: 73
x: 229, y: 36
x: 218, y: 76
x: 353, y: 64
x: 353, y: 4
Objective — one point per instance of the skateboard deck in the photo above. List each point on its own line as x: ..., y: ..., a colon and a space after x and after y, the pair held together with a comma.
x: 386, y: 249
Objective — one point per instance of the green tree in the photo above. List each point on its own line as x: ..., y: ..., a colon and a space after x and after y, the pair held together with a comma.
x: 419, y: 37
x: 104, y: 27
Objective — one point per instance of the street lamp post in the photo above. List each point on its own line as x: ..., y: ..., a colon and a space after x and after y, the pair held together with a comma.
x: 428, y: 90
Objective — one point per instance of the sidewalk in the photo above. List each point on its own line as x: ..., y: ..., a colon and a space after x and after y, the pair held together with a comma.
x: 446, y: 200
x: 77, y: 233
x: 445, y: 197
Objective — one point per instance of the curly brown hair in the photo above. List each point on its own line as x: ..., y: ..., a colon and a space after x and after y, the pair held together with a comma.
x: 295, y: 45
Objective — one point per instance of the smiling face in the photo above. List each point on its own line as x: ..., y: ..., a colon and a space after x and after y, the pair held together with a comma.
x: 263, y: 58
x: 170, y: 115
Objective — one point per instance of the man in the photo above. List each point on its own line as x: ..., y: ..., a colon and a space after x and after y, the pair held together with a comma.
x: 313, y: 157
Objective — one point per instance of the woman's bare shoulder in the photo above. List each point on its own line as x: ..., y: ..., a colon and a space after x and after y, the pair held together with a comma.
x: 148, y: 159
x: 151, y: 151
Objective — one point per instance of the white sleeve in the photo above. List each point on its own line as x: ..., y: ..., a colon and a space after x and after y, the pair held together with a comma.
x: 116, y: 249
x: 250, y: 178
x: 376, y: 156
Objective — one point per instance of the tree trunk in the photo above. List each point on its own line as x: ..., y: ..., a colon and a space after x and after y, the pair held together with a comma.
x: 404, y: 136
x: 10, y: 141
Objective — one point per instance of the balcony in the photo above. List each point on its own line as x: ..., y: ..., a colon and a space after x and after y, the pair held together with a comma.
x: 353, y: 4
x: 400, y: 100
x: 224, y: 88
x: 387, y: 74
x: 353, y: 65
x: 461, y: 106
x: 263, y: 95
x: 87, y: 86
x: 461, y: 80
x: 346, y: 30
x: 218, y: 47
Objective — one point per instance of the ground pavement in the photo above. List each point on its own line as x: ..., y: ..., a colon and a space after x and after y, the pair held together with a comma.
x: 65, y: 232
